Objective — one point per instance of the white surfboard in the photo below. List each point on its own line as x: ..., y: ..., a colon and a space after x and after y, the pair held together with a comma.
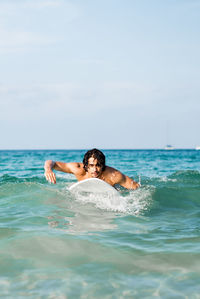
x: 94, y: 185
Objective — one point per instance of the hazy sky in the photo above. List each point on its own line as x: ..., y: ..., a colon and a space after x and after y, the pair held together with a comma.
x: 99, y: 73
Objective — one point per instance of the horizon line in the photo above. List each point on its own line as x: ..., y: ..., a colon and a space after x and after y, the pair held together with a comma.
x: 79, y: 149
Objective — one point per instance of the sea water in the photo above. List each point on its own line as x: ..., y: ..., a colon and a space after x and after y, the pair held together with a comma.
x: 145, y: 244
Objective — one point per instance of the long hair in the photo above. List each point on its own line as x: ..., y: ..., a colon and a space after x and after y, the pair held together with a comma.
x: 96, y: 154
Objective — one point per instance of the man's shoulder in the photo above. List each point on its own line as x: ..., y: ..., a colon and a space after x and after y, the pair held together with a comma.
x: 113, y: 175
x: 111, y: 170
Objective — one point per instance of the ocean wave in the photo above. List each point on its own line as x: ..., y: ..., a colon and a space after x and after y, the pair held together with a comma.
x: 180, y: 190
x: 13, y: 179
x: 33, y: 179
x: 186, y: 177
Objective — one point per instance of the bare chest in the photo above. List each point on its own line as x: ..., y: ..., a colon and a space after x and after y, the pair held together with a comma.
x: 104, y: 177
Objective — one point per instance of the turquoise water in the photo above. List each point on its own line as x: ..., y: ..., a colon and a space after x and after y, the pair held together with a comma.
x: 146, y: 244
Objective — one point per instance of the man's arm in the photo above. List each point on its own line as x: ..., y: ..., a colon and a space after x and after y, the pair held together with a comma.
x: 60, y: 166
x: 129, y: 183
x: 125, y: 181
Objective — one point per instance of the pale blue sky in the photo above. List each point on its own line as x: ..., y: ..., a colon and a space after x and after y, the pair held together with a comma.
x: 99, y: 73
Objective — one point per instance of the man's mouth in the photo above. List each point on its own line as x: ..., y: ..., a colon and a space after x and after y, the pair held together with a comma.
x: 95, y: 173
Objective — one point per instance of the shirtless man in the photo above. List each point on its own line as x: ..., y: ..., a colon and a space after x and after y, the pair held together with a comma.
x: 93, y: 166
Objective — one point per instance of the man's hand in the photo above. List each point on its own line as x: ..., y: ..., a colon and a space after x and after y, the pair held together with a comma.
x: 50, y: 176
x: 136, y: 186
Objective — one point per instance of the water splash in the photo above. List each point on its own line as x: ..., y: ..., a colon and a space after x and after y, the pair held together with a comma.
x: 131, y: 202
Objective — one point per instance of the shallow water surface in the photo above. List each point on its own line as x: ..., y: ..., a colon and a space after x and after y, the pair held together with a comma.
x: 144, y: 244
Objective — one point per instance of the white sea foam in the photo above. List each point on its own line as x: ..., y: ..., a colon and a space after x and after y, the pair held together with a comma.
x: 67, y: 176
x: 4, y: 282
x: 134, y: 202
x: 166, y: 179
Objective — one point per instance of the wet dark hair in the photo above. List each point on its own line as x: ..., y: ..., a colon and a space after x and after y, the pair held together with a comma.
x: 96, y: 154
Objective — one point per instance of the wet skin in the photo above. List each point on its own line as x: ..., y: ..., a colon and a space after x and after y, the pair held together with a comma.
x: 93, y: 170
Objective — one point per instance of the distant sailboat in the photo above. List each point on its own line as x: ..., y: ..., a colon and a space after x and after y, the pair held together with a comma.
x: 169, y: 147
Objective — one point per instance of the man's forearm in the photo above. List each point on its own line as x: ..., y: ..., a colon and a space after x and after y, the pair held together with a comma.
x: 131, y: 184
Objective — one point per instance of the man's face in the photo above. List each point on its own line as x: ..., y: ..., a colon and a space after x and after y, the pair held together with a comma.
x: 94, y: 168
